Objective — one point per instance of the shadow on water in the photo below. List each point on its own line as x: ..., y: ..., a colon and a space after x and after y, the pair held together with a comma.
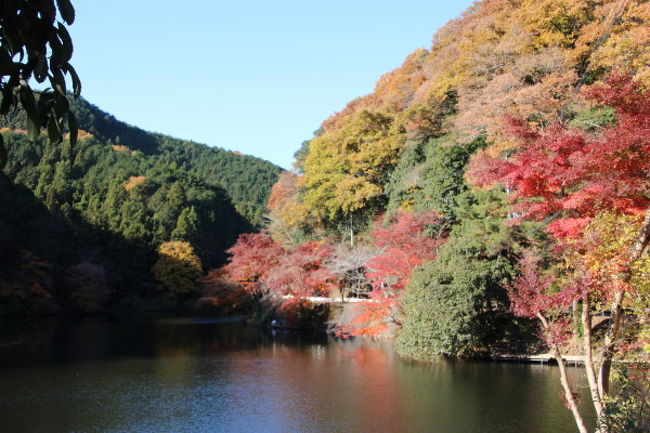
x: 65, y: 340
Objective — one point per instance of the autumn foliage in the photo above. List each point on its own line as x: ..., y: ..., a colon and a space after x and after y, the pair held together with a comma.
x: 177, y: 269
x: 301, y: 272
x: 253, y: 257
x: 526, y: 60
x: 402, y: 246
x: 262, y: 266
x: 554, y: 93
x: 595, y: 189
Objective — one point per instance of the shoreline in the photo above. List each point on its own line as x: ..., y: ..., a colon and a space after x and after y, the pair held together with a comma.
x: 542, y: 358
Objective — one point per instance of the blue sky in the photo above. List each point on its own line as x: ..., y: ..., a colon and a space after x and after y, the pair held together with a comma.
x: 254, y: 76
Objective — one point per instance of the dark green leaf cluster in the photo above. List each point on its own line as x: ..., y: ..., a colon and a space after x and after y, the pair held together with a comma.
x: 457, y: 305
x: 33, y: 44
x: 429, y: 176
x: 143, y: 199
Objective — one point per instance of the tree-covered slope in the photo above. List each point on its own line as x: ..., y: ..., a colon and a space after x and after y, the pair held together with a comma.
x: 83, y: 225
x: 246, y: 179
x: 527, y: 59
x: 566, y: 80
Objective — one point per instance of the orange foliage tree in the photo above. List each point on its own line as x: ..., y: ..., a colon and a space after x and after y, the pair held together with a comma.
x: 287, y: 213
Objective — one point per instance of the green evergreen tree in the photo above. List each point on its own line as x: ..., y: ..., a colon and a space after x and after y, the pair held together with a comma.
x: 187, y: 226
x: 458, y: 304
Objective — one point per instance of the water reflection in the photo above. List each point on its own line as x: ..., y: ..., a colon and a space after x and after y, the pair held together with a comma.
x: 184, y: 375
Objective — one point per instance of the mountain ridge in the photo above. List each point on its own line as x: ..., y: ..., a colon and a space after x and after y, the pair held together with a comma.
x: 106, y: 128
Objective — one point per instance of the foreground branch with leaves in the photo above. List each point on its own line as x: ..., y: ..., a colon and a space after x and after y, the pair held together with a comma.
x: 35, y: 45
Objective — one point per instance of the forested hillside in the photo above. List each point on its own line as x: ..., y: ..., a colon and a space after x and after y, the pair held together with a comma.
x: 492, y: 190
x: 245, y: 178
x: 87, y: 223
x: 404, y: 149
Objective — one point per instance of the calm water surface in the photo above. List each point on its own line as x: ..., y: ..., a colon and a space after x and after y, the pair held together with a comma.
x: 188, y: 375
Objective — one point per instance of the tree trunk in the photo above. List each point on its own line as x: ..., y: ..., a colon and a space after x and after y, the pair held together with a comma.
x: 596, y: 396
x: 568, y: 392
x: 564, y: 380
x: 575, y: 316
x: 607, y: 352
x: 641, y: 243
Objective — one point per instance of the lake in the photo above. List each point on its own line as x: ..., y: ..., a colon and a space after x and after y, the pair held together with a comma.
x: 206, y: 375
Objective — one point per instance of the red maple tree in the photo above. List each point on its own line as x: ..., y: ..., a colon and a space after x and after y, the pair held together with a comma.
x: 253, y: 256
x: 300, y: 272
x: 402, y: 246
x: 574, y: 175
x: 572, y: 179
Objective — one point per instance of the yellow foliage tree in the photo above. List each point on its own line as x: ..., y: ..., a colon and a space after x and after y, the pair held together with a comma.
x: 346, y: 167
x: 287, y: 213
x: 177, y: 268
x: 602, y: 252
x: 555, y: 22
x: 624, y: 33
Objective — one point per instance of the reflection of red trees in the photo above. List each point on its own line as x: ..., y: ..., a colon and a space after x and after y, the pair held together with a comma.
x: 378, y: 398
